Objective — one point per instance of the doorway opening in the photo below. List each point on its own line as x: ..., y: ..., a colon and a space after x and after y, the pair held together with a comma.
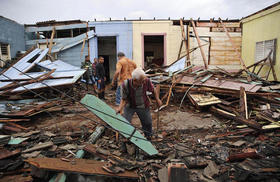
x: 153, y: 50
x: 107, y: 48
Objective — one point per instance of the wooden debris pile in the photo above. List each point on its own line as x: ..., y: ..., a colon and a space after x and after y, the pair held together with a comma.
x: 249, y: 100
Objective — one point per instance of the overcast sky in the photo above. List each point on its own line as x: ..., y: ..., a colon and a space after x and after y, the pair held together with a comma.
x: 32, y: 11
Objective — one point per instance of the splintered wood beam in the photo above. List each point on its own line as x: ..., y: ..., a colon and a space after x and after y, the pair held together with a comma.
x: 199, y: 44
x: 180, y: 50
x: 243, y: 103
x: 83, y: 46
x: 242, y: 156
x: 184, y: 40
x: 51, y: 41
x: 233, y: 45
x: 272, y: 68
x: 82, y: 166
x: 250, y: 123
x: 188, y: 43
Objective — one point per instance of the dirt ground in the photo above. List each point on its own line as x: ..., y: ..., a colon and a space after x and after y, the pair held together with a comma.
x: 75, y: 116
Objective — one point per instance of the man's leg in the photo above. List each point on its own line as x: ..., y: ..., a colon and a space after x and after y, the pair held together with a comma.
x: 93, y: 83
x: 99, y: 90
x: 118, y: 95
x: 146, y: 121
x: 128, y: 113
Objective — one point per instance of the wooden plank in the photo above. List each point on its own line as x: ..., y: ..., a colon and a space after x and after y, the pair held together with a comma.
x: 250, y: 123
x: 272, y: 67
x: 17, y: 126
x: 90, y: 148
x: 11, y: 87
x: 6, y: 153
x: 235, y: 47
x: 185, y: 40
x: 199, y: 44
x: 180, y: 50
x: 51, y: 41
x: 204, y: 99
x: 188, y: 42
x: 82, y: 49
x: 118, y: 123
x: 216, y: 24
x: 38, y: 147
x: 243, y: 103
x: 82, y: 166
x: 242, y: 156
x: 5, y: 120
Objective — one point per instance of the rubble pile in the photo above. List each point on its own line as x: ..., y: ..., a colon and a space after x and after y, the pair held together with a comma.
x: 59, y: 139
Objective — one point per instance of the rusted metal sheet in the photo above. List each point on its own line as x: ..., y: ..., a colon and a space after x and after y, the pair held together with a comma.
x: 82, y: 166
x: 223, y: 84
x: 6, y: 153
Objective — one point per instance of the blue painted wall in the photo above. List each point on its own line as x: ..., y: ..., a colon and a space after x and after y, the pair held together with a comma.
x: 121, y: 29
x: 73, y: 55
x: 12, y: 33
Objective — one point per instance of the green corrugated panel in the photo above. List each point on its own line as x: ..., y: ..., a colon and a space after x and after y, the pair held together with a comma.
x: 122, y: 127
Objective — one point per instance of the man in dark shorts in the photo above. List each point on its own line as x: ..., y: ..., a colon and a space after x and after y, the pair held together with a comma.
x: 100, y: 75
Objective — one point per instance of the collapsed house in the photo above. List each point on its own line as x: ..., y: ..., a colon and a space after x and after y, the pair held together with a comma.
x: 147, y: 42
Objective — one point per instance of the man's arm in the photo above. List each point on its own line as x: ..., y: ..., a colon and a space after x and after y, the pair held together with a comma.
x: 121, y: 106
x: 118, y: 70
x: 157, y: 97
x: 98, y: 73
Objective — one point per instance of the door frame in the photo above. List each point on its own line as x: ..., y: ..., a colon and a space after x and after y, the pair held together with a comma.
x: 164, y: 45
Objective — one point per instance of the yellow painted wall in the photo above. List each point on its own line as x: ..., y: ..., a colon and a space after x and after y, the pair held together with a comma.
x: 261, y: 27
x: 173, y: 38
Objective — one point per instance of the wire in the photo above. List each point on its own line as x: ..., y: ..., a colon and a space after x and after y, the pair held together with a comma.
x: 73, y: 111
x: 36, y: 94
x: 87, y: 107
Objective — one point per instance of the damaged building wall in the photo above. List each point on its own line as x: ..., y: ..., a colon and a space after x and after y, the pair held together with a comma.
x: 172, y: 39
x: 216, y: 46
x: 122, y: 30
x: 73, y: 55
x: 260, y: 27
x: 12, y: 33
x: 39, y: 36
x: 111, y: 37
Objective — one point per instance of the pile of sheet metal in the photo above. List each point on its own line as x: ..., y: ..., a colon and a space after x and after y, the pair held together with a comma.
x: 33, y: 72
x: 31, y: 77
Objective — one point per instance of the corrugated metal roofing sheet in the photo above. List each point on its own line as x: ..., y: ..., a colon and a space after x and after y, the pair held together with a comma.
x: 72, y: 42
x: 64, y: 74
x: 223, y: 84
